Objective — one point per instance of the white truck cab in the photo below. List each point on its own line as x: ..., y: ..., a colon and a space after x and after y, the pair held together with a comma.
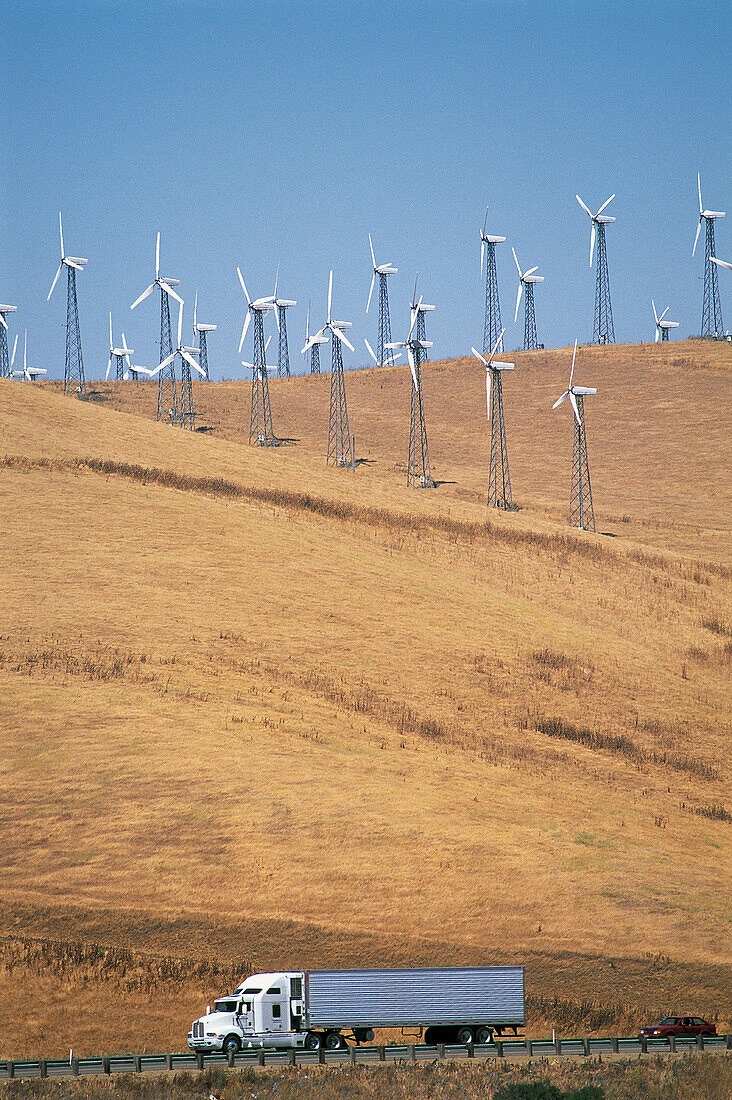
x: 265, y: 1010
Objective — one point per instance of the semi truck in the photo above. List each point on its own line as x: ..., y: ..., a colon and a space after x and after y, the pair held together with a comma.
x: 310, y: 1009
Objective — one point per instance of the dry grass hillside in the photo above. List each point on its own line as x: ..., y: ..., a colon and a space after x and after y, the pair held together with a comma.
x: 261, y: 713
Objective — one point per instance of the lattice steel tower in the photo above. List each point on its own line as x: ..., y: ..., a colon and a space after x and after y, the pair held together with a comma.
x: 200, y: 332
x: 712, y: 326
x: 499, y: 478
x: 603, y: 331
x: 419, y: 475
x: 311, y: 351
x: 186, y: 416
x: 281, y: 305
x: 74, y: 379
x: 492, y: 322
x: 167, y: 386
x: 581, y: 512
x: 526, y: 282
x: 340, y: 442
x: 383, y: 339
x: 4, y: 357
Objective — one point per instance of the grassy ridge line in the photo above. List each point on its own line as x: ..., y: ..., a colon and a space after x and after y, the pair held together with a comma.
x: 370, y: 515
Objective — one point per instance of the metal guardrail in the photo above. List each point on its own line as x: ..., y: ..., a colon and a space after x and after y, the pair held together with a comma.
x: 507, y: 1048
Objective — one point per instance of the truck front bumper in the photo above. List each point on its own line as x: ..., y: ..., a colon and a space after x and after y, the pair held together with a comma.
x: 204, y: 1045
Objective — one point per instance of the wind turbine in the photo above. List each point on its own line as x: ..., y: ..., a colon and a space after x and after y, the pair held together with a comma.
x: 74, y: 363
x: 527, y: 280
x: 581, y: 512
x: 711, y: 325
x: 119, y: 355
x: 312, y: 345
x: 492, y: 322
x: 187, y: 416
x: 382, y: 272
x: 167, y: 386
x: 499, y: 478
x: 260, y: 416
x: 418, y: 468
x: 280, y: 312
x: 200, y: 330
x: 340, y: 441
x: 662, y: 326
x: 29, y: 373
x: 603, y: 331
x: 420, y: 308
x: 4, y: 363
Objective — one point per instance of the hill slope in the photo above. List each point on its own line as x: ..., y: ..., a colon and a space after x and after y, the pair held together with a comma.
x: 298, y: 716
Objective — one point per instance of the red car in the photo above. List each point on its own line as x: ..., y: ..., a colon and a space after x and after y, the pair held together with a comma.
x: 678, y: 1026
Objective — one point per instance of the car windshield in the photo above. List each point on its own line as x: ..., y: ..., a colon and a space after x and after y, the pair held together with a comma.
x: 225, y: 1006
x: 669, y: 1020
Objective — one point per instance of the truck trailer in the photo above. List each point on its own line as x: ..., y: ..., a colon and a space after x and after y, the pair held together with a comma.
x: 313, y: 1008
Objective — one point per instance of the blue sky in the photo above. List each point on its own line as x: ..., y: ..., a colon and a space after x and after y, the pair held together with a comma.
x: 256, y: 133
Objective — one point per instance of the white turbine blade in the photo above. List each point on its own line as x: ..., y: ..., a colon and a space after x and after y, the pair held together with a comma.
x: 658, y: 333
x: 55, y: 280
x: 698, y: 181
x: 169, y: 290
x: 25, y: 349
x: 109, y: 367
x: 15, y: 348
x: 530, y: 271
x: 70, y: 263
x: 559, y: 400
x: 267, y: 343
x: 371, y: 290
x: 606, y: 203
x: 345, y: 339
x: 111, y: 341
x: 498, y: 343
x: 518, y: 300
x: 244, y: 330
x: 592, y: 242
x: 488, y: 394
x: 371, y: 351
x: 307, y: 324
x: 277, y: 279
x: 655, y: 315
x: 125, y: 376
x: 584, y: 206
x: 330, y: 293
x: 664, y: 313
x: 411, y: 367
x: 3, y: 322
x: 571, y: 373
x: 189, y: 359
x: 485, y: 222
x: 195, y: 310
x: 373, y: 258
x: 515, y: 260
x: 61, y: 233
x: 180, y: 325
x: 414, y: 295
x: 143, y: 296
x: 244, y: 286
x: 721, y: 263
x: 165, y: 362
x: 696, y: 238
x: 157, y: 257
x: 414, y: 319
x: 480, y: 357
x: 277, y: 316
x: 573, y: 400
x: 482, y: 252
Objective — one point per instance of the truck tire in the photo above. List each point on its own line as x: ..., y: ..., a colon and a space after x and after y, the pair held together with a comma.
x: 464, y: 1035
x: 313, y: 1041
x: 230, y: 1045
x: 483, y: 1035
x: 333, y: 1041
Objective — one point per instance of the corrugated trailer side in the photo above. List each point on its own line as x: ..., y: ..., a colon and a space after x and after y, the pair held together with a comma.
x: 402, y: 998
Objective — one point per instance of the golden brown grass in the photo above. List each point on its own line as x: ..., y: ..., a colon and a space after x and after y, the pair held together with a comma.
x: 238, y: 687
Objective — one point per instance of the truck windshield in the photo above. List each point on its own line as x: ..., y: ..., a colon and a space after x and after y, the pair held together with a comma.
x: 225, y: 1006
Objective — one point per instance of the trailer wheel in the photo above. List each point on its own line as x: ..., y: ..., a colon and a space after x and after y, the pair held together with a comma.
x: 464, y: 1035
x: 313, y: 1041
x: 333, y: 1041
x: 230, y: 1045
x: 483, y: 1035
